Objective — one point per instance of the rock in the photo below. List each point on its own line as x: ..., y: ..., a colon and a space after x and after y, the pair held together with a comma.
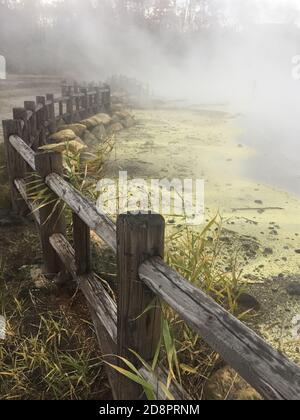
x: 73, y: 146
x: 78, y: 129
x: 248, y: 302
x: 104, y: 119
x: 90, y: 123
x: 293, y: 289
x: 114, y: 128
x: 99, y: 132
x: 258, y: 202
x: 62, y: 136
x: 115, y: 118
x: 297, y: 251
x: 117, y: 107
x: 268, y: 251
x: 226, y: 384
x: 123, y: 115
x: 89, y: 139
x: 128, y: 122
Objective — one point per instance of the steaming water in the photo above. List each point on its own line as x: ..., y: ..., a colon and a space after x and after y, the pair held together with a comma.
x: 277, y: 161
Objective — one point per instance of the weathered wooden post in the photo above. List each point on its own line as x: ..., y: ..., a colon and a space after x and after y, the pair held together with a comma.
x: 107, y: 98
x: 82, y: 245
x: 51, y: 113
x: 85, y: 101
x: 41, y: 118
x: 16, y: 166
x: 31, y: 107
x: 51, y: 216
x: 98, y: 99
x: 139, y: 237
x: 70, y: 105
x: 77, y: 99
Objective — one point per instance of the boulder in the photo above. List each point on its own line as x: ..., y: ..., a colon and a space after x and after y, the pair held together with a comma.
x: 78, y: 129
x: 90, y: 123
x: 89, y: 139
x: 128, y: 122
x: 117, y: 107
x: 99, y: 132
x: 114, y: 128
x: 74, y: 146
x: 122, y: 114
x: 104, y: 119
x: 115, y: 118
x: 62, y: 136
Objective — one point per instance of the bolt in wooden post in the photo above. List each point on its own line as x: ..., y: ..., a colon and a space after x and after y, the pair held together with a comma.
x: 82, y: 245
x: 139, y: 237
x: 51, y: 216
x: 16, y: 166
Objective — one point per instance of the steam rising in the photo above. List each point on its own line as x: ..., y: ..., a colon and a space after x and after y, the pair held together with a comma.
x: 237, y: 52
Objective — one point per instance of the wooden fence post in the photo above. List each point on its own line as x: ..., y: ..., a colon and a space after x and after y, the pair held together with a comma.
x: 51, y: 113
x: 31, y: 106
x: 51, y: 216
x: 85, y: 102
x: 82, y: 245
x: 21, y: 114
x: 16, y: 166
x: 139, y: 237
x: 41, y: 118
x: 70, y: 105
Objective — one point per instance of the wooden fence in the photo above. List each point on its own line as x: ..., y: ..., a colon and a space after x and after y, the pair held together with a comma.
x: 143, y: 276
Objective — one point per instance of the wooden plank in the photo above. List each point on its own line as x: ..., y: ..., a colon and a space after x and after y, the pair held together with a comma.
x: 82, y: 245
x: 85, y: 209
x: 139, y: 236
x: 104, y: 314
x: 23, y: 150
x: 51, y: 215
x: 16, y: 166
x: 102, y: 307
x: 21, y: 187
x: 269, y: 372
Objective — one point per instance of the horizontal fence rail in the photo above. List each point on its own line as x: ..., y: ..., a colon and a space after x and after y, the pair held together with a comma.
x: 143, y: 277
